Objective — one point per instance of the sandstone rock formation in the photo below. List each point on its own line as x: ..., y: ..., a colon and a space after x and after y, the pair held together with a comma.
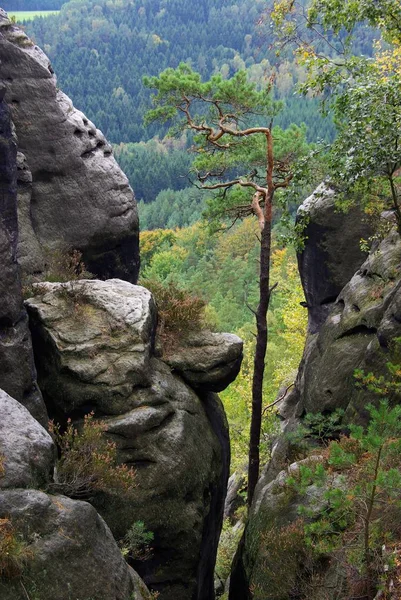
x: 209, y: 361
x: 65, y: 549
x: 332, y: 251
x: 73, y: 195
x: 27, y: 449
x: 17, y: 371
x: 274, y: 563
x: 94, y: 345
x: 359, y: 332
x: 234, y: 500
x: 357, y: 329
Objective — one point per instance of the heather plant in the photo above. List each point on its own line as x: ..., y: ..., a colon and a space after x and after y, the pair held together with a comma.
x: 281, y: 551
x: 60, y: 266
x: 179, y: 312
x: 88, y: 461
x: 14, y: 552
x: 65, y: 266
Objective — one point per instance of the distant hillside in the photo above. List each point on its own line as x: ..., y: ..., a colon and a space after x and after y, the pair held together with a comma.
x: 100, y: 50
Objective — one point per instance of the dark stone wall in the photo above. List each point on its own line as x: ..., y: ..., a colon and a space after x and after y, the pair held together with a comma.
x: 17, y: 371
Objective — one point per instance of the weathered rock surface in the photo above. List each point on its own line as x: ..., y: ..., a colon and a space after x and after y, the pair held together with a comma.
x: 273, y: 562
x: 27, y: 450
x: 210, y: 361
x: 66, y: 549
x: 92, y: 342
x: 94, y: 345
x: 358, y: 333
x: 356, y: 329
x: 234, y: 500
x: 70, y: 552
x: 17, y: 371
x: 332, y: 251
x: 78, y: 197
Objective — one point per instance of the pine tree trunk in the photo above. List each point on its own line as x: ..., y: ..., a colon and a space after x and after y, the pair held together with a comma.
x: 260, y: 351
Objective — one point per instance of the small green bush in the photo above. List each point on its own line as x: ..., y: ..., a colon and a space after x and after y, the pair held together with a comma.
x: 324, y: 428
x: 88, y: 461
x: 136, y: 542
x: 362, y: 510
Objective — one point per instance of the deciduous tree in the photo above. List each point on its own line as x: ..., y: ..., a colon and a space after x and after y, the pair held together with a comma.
x: 364, y: 92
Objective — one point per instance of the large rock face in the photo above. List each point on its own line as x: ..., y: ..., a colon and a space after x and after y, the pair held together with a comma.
x: 357, y: 328
x: 94, y: 346
x: 73, y: 195
x: 17, y: 371
x: 65, y: 549
x: 359, y: 332
x: 332, y: 251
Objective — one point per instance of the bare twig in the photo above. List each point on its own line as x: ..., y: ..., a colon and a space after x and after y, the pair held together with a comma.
x: 266, y: 408
x: 24, y: 590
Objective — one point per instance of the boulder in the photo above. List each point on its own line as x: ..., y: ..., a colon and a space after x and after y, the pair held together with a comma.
x: 27, y: 452
x: 210, y: 361
x: 17, y: 370
x: 234, y: 500
x: 78, y: 197
x: 94, y: 343
x: 68, y: 551
x: 332, y: 251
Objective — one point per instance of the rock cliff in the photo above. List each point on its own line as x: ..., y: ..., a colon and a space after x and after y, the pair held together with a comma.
x: 354, y: 316
x: 17, y: 370
x: 95, y: 351
x: 94, y: 348
x: 72, y: 194
x: 332, y: 251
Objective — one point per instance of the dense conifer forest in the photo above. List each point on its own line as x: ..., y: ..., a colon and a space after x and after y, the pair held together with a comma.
x: 100, y: 51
